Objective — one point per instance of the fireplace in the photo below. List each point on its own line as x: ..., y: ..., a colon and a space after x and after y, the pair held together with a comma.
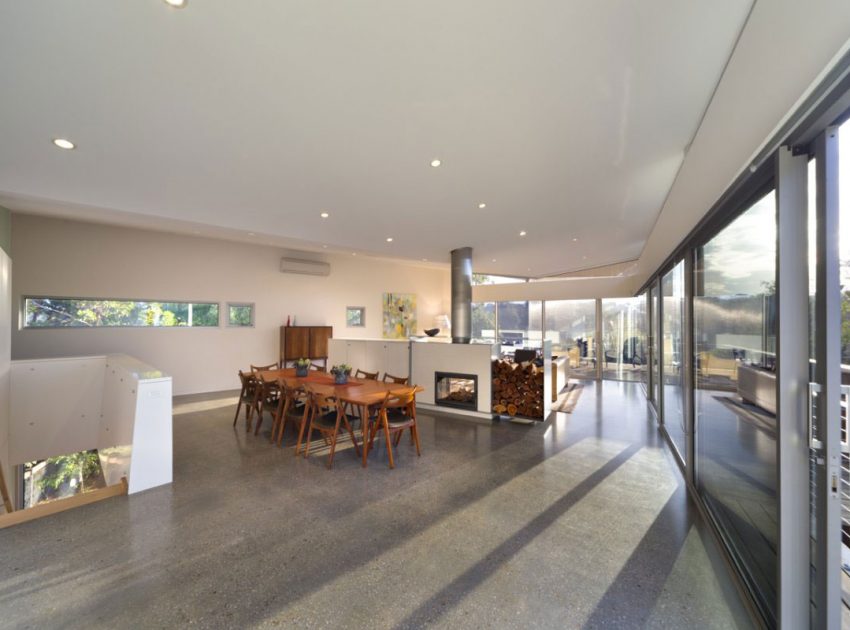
x: 456, y: 390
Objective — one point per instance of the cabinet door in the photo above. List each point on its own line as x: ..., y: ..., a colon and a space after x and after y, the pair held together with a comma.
x: 397, y: 360
x: 319, y: 336
x: 337, y: 352
x: 297, y: 342
x: 356, y: 355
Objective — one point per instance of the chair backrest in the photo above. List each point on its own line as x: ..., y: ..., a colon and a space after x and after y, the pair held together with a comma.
x: 400, y: 399
x: 318, y: 368
x: 369, y: 376
x: 319, y: 400
x: 291, y: 392
x: 263, y: 368
x: 399, y: 380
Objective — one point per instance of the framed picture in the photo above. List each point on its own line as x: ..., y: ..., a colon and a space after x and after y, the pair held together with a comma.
x: 399, y: 316
x: 355, y: 316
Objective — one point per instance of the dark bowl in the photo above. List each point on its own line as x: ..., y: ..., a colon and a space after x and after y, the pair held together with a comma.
x: 432, y: 331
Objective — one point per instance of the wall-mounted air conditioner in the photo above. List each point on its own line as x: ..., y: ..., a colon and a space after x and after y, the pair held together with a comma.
x: 307, y: 267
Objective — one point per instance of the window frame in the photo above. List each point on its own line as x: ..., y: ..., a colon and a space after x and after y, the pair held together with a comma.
x: 22, y: 312
x: 362, y: 310
x: 251, y: 305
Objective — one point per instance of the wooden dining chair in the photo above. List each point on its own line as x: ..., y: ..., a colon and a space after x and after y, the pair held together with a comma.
x: 265, y: 368
x: 399, y: 380
x: 369, y: 376
x: 318, y: 368
x: 292, y: 405
x: 247, y: 396
x: 404, y: 404
x: 325, y: 416
x: 267, y: 396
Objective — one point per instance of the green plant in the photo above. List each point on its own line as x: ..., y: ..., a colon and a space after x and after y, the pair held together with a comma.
x: 342, y: 368
x: 303, y: 363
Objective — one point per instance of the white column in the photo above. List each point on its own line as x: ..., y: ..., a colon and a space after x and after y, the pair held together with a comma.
x: 792, y: 388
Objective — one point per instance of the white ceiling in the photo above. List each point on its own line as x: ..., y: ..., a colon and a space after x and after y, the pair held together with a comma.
x: 569, y: 119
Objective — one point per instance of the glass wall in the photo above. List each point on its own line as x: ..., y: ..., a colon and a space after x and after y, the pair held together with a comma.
x: 484, y: 321
x: 735, y: 396
x: 624, y: 338
x: 521, y: 324
x: 672, y: 350
x: 571, y: 326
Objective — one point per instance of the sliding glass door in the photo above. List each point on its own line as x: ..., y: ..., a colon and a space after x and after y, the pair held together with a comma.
x: 672, y: 351
x: 735, y: 395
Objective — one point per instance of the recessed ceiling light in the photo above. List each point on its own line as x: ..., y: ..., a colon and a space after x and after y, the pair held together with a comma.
x: 251, y: 234
x: 494, y: 260
x: 177, y: 4
x: 575, y: 240
x: 324, y: 215
x: 482, y: 205
x: 389, y: 239
x: 353, y: 253
x: 522, y: 233
x: 435, y: 163
x: 62, y: 143
x: 324, y: 246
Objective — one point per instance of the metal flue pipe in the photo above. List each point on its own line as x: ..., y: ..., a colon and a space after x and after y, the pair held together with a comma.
x: 461, y: 295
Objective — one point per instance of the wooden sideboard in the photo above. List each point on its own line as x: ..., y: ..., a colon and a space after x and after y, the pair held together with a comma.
x: 307, y: 342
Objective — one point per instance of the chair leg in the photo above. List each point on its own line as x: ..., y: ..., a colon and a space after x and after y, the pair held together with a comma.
x: 414, y: 433
x: 238, y: 406
x: 301, y: 430
x: 309, y: 436
x: 389, y: 442
x: 373, y: 431
x: 333, y: 444
x: 259, y: 419
x: 282, y: 420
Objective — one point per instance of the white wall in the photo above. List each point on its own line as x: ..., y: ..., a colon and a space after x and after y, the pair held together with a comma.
x: 75, y: 259
x: 567, y: 289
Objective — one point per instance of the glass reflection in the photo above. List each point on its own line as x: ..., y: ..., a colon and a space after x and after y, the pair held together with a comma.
x: 571, y: 326
x: 624, y: 338
x: 735, y: 396
x: 672, y: 325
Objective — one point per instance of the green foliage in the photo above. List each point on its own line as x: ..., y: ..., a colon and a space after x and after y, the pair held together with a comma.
x: 483, y: 316
x: 63, y: 468
x: 303, y: 363
x: 239, y: 315
x: 51, y: 313
x: 342, y: 368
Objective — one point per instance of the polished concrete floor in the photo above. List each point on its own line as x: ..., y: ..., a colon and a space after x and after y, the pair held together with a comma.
x: 579, y: 522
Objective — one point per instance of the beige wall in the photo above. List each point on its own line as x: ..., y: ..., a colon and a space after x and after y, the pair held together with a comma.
x: 65, y: 258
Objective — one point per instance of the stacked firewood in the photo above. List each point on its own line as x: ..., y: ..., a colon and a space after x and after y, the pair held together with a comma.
x: 517, y: 389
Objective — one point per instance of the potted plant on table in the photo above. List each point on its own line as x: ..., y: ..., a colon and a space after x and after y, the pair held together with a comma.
x: 341, y: 373
x: 302, y: 367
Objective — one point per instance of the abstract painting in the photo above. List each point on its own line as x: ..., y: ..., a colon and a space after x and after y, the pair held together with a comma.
x: 399, y: 315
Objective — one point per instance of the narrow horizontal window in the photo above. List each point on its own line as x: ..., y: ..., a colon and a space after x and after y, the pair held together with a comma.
x: 48, y: 312
x: 240, y: 315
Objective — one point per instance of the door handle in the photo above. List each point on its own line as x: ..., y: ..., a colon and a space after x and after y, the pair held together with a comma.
x: 814, y: 393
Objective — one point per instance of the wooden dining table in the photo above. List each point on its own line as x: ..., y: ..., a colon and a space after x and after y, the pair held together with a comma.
x: 359, y: 392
